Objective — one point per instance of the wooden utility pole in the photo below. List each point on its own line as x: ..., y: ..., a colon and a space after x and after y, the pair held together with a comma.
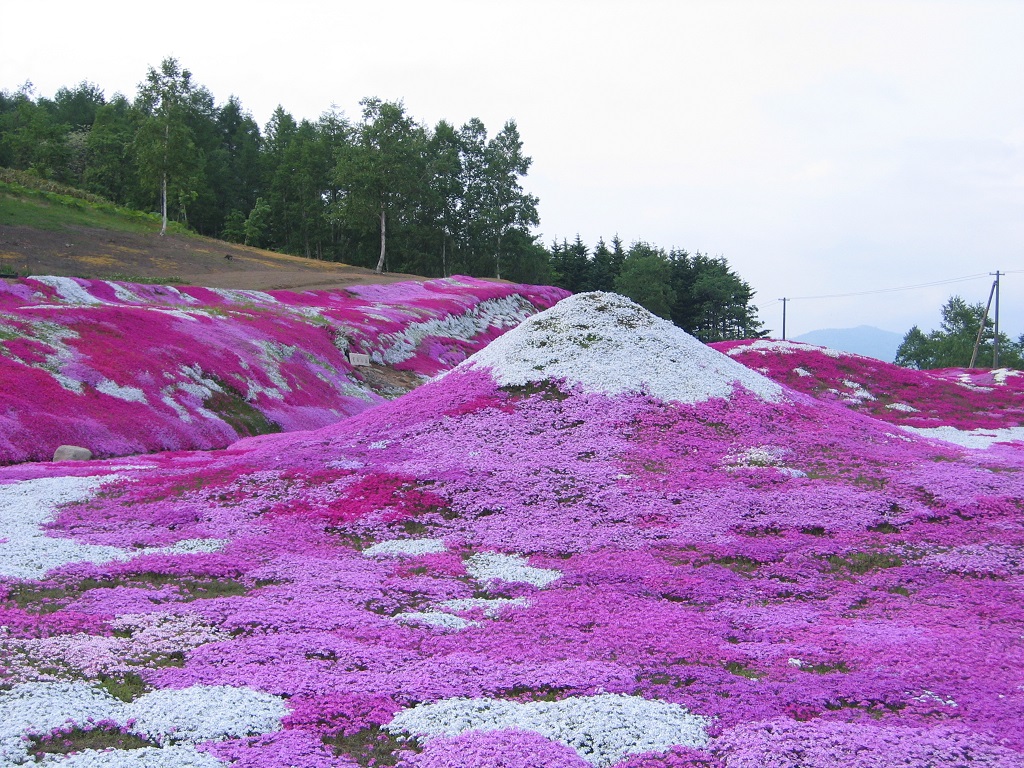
x: 981, y: 328
x: 783, y: 300
x: 995, y: 343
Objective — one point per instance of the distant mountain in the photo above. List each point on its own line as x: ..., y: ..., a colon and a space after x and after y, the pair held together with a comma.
x: 863, y: 340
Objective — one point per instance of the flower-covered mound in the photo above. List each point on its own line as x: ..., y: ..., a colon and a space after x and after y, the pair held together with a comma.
x: 950, y: 397
x: 122, y: 368
x: 563, y: 571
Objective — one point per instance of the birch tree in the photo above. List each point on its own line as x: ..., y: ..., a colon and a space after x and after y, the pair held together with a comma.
x: 164, y: 144
x: 382, y: 168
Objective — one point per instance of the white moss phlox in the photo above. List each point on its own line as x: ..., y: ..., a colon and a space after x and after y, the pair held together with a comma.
x: 602, y: 729
x: 762, y: 346
x: 27, y: 552
x: 973, y: 438
x: 606, y: 343
x: 436, y: 619
x: 167, y: 717
x: 405, y: 548
x: 492, y: 566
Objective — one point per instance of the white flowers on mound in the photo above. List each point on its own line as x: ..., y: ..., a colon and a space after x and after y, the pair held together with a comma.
x: 436, y: 619
x: 768, y: 456
x: 491, y: 606
x: 167, y: 717
x: 904, y: 407
x: 147, y: 757
x: 68, y: 290
x: 606, y: 343
x: 142, y: 637
x: 974, y: 438
x: 506, y: 312
x: 602, y: 729
x: 405, y: 548
x: 491, y: 566
x: 786, y: 348
x: 128, y: 394
x: 485, y: 567
x: 26, y: 552
x: 1000, y: 375
x: 859, y: 392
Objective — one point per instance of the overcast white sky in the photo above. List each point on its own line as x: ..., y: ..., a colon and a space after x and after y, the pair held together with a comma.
x: 822, y: 147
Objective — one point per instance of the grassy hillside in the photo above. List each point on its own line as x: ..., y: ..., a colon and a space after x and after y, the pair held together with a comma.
x: 51, y: 229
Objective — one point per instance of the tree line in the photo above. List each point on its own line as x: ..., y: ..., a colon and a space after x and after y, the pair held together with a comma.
x: 699, y: 293
x: 383, y: 191
x: 952, y: 345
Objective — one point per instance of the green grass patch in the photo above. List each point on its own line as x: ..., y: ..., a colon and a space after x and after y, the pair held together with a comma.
x: 863, y: 562
x: 547, y: 389
x: 534, y: 693
x: 124, y: 277
x: 26, y: 200
x: 40, y: 600
x: 825, y: 669
x: 736, y: 563
x: 373, y: 746
x: 56, y: 215
x: 884, y: 528
x: 232, y: 408
x: 742, y: 670
x: 126, y: 686
x: 78, y: 739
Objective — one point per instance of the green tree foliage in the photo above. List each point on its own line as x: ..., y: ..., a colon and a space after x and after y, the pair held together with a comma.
x: 572, y: 267
x: 507, y: 208
x: 952, y: 345
x: 170, y: 162
x: 446, y: 191
x: 31, y: 137
x: 700, y: 294
x: 111, y: 168
x: 257, y: 224
x: 712, y: 302
x: 381, y: 172
x: 646, y: 278
x: 384, y: 191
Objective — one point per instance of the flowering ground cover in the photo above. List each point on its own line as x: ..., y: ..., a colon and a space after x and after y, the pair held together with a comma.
x: 597, y: 542
x: 951, y: 397
x: 123, y: 368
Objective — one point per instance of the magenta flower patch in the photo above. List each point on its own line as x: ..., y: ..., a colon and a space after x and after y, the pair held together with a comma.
x: 122, y: 368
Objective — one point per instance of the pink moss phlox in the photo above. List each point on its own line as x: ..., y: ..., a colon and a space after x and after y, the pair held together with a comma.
x: 818, y: 744
x: 123, y: 368
x: 824, y: 587
x: 953, y: 397
x: 340, y: 713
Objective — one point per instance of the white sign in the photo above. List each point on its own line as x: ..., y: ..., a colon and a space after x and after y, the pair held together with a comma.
x: 354, y: 358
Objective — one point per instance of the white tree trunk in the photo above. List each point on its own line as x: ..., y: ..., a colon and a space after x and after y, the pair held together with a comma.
x: 383, y: 224
x: 163, y: 228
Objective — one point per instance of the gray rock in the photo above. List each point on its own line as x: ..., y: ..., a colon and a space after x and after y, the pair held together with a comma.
x: 72, y: 453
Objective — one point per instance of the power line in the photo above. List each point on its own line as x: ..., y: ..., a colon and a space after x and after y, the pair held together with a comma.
x: 901, y: 288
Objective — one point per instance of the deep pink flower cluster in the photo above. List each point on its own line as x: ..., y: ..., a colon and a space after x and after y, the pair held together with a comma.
x: 123, y: 368
x: 957, y: 397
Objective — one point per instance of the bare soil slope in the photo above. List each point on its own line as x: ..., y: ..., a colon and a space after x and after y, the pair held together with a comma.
x: 76, y: 251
